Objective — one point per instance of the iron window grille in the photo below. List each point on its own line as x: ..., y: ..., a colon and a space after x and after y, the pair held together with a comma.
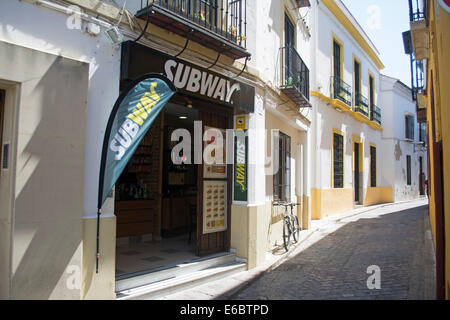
x: 373, y: 166
x: 338, y: 161
x: 282, y: 178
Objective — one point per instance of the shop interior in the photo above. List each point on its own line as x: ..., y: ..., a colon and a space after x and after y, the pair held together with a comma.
x: 156, y: 200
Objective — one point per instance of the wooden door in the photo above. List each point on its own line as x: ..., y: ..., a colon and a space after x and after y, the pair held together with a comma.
x: 356, y: 172
x: 209, y: 243
x: 2, y: 112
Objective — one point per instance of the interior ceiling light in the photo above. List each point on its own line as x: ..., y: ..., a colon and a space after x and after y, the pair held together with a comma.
x: 183, y: 117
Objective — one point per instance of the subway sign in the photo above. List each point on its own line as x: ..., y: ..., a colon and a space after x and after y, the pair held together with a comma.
x: 188, y: 78
x: 240, y: 172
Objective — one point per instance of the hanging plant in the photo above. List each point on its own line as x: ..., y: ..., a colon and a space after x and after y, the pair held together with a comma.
x: 200, y: 15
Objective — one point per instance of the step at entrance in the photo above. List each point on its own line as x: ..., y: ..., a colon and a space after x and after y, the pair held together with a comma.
x: 157, y: 283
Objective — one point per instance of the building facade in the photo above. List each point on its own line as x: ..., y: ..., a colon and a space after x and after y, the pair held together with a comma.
x: 346, y: 121
x: 81, y: 58
x: 404, y: 165
x: 428, y: 43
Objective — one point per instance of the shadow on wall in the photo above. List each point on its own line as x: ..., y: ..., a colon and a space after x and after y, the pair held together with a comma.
x: 47, y: 235
x: 335, y: 267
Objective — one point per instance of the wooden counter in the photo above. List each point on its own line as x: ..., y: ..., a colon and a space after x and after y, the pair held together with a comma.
x: 135, y: 217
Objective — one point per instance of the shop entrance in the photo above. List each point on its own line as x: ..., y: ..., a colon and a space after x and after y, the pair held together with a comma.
x: 160, y: 205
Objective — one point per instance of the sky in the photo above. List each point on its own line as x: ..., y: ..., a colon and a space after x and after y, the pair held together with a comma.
x: 384, y: 21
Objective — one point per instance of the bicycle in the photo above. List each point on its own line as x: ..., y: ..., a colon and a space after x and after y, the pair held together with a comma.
x: 290, y: 224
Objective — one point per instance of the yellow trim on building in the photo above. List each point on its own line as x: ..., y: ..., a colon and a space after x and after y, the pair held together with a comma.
x: 336, y: 103
x: 377, y: 195
x: 327, y: 202
x: 353, y: 31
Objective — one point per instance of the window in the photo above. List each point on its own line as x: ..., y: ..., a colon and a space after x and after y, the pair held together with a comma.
x: 422, y: 133
x: 338, y: 160
x: 282, y: 179
x: 373, y: 166
x: 336, y: 60
x: 409, y: 127
x: 371, y: 94
x: 357, y: 70
x: 408, y: 170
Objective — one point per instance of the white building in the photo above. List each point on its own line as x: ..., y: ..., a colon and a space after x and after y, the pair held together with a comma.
x: 61, y: 79
x: 404, y: 139
x: 346, y: 124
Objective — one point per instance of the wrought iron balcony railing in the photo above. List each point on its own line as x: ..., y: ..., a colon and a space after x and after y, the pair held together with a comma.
x: 417, y: 77
x: 341, y: 90
x: 375, y: 114
x: 218, y: 24
x: 294, y: 76
x: 361, y: 104
x: 417, y: 10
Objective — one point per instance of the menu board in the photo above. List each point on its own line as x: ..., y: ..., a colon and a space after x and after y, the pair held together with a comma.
x: 214, y: 206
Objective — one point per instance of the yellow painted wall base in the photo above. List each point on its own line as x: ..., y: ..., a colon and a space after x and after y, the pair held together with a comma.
x: 377, y: 195
x: 304, y: 219
x: 101, y: 285
x: 248, y: 233
x: 327, y: 202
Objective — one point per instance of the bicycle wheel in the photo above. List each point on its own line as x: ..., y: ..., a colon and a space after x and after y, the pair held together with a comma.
x: 287, y: 233
x: 295, y: 228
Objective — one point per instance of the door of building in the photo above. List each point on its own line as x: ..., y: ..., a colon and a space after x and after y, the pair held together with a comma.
x: 421, y: 177
x: 208, y: 240
x: 2, y: 112
x: 289, y: 43
x: 356, y: 166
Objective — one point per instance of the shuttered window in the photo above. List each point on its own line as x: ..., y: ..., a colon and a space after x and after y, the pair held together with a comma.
x: 373, y: 166
x: 357, y: 68
x: 338, y: 160
x: 408, y: 170
x: 337, y: 60
x: 409, y: 127
x: 282, y: 179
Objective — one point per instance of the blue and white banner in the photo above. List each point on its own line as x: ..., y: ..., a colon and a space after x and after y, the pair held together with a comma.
x: 132, y: 115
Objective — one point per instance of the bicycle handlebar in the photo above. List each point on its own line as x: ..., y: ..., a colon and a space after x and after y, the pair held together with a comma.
x: 285, y: 204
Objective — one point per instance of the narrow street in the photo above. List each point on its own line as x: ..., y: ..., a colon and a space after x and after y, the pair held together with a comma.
x: 333, y: 263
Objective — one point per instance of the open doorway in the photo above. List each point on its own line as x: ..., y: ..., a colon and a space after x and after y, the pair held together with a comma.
x: 156, y: 200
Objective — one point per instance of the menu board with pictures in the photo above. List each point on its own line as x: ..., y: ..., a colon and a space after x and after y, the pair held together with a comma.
x: 214, y: 206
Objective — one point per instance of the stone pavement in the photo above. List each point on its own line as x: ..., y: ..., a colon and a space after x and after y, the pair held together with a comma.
x: 332, y: 257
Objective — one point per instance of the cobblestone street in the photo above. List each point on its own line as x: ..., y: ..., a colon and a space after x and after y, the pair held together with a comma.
x: 333, y: 263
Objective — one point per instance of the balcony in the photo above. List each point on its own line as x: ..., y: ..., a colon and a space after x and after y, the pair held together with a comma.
x: 375, y: 114
x: 419, y: 29
x: 361, y: 104
x: 417, y: 77
x: 341, y: 90
x: 294, y: 77
x: 220, y: 25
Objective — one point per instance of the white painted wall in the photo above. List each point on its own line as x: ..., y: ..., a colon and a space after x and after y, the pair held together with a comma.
x: 46, y: 30
x: 397, y: 102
